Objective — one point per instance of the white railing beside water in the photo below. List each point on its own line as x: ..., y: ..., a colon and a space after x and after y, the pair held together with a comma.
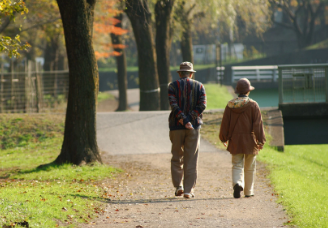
x: 253, y: 73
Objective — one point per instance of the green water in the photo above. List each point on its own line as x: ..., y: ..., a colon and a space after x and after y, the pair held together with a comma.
x: 265, y: 97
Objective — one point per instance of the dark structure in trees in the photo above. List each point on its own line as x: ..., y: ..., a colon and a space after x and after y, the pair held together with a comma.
x: 80, y: 144
x: 140, y: 17
x: 121, y: 67
x: 163, y: 10
x: 301, y: 19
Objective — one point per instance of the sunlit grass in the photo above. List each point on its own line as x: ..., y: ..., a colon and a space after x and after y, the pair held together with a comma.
x: 300, y: 177
x: 17, y: 130
x: 54, y: 195
x: 217, y: 96
x: 102, y: 96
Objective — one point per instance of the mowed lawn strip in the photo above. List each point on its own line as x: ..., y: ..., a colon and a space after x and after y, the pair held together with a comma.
x: 300, y: 178
x: 51, y: 196
x: 217, y: 96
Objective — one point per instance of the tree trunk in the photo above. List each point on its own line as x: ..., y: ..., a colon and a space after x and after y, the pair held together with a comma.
x: 121, y: 67
x: 140, y: 17
x: 80, y: 144
x: 186, y: 46
x: 51, y: 61
x: 51, y: 54
x: 186, y: 22
x: 163, y: 10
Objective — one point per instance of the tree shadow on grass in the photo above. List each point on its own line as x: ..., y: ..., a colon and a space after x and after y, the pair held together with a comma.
x: 93, y: 198
x: 45, y: 167
x: 40, y: 168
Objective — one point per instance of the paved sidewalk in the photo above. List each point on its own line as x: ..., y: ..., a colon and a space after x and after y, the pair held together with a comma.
x: 143, y: 195
x: 133, y: 98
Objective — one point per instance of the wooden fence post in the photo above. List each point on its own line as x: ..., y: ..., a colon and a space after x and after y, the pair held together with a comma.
x: 38, y: 83
x: 55, y: 90
x: 28, y: 87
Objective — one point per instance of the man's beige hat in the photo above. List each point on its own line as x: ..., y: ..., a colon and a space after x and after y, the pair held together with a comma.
x: 243, y: 86
x: 186, y: 66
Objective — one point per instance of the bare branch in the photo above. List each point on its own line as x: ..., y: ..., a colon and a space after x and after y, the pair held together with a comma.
x: 5, y: 24
x: 40, y: 24
x: 190, y: 9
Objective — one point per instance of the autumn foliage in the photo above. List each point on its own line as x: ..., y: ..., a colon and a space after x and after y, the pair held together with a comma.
x: 104, y: 25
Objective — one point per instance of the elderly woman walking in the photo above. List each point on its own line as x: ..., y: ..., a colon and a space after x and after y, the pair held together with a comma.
x: 242, y: 130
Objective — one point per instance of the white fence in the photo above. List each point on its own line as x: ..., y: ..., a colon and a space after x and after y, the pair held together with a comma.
x: 253, y: 73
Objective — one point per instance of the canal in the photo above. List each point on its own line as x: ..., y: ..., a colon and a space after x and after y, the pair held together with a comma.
x: 297, y: 131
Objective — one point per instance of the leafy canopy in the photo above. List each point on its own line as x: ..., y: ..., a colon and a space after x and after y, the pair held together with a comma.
x: 9, y: 8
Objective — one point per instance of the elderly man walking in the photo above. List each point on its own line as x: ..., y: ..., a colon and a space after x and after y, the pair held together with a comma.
x: 188, y: 101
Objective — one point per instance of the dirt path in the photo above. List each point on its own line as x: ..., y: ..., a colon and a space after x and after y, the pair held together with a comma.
x: 143, y: 196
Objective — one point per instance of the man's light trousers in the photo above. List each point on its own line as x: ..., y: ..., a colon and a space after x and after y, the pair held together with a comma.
x: 185, y: 145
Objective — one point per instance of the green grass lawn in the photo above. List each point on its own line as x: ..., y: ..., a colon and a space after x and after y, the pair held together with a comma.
x: 299, y: 176
x: 217, y: 96
x: 51, y: 196
x: 102, y: 96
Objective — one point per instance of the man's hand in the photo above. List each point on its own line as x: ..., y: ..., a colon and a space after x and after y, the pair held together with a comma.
x: 225, y: 144
x: 260, y: 146
x: 189, y: 126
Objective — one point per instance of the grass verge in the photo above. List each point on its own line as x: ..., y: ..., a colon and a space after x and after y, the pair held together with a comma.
x: 102, y: 96
x: 17, y: 130
x: 217, y: 96
x: 51, y: 196
x: 299, y: 176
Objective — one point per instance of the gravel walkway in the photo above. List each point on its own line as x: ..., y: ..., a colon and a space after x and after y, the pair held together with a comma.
x: 143, y: 196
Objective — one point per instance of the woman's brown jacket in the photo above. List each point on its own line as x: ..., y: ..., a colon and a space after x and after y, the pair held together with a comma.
x: 242, y: 126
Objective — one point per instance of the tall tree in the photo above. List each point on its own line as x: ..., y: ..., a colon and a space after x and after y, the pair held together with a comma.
x: 302, y: 15
x: 80, y: 144
x: 140, y: 18
x: 218, y: 14
x: 185, y: 17
x: 118, y: 46
x: 108, y: 25
x: 163, y: 11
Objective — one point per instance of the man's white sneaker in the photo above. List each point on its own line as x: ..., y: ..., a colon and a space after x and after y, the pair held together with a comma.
x: 179, y: 191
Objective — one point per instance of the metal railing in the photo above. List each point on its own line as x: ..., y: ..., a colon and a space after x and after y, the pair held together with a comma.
x: 303, y: 83
x: 33, y: 90
x: 255, y: 73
